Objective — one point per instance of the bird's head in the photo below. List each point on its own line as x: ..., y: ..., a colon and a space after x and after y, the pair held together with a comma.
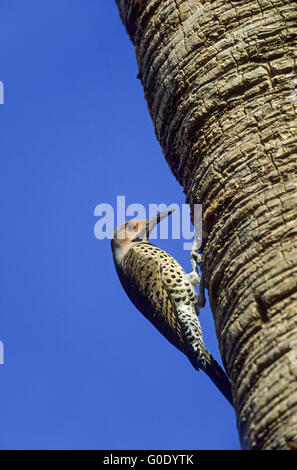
x: 132, y: 232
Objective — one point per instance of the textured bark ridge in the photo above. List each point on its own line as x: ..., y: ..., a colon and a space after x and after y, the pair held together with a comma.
x: 217, y: 78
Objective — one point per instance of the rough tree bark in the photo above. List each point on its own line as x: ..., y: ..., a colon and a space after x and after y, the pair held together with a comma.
x: 217, y: 77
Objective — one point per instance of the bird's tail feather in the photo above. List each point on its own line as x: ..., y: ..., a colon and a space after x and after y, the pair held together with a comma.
x: 216, y: 374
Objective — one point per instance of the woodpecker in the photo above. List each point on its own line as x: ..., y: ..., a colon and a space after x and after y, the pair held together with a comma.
x: 164, y: 293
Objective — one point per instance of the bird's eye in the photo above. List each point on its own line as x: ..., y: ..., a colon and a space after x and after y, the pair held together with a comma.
x: 131, y: 227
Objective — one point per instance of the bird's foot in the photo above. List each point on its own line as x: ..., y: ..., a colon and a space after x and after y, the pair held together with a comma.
x: 194, y: 277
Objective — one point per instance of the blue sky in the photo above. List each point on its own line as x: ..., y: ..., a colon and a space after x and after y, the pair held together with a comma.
x: 83, y: 369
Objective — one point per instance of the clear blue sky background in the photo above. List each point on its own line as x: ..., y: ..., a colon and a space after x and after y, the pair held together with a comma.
x: 83, y: 369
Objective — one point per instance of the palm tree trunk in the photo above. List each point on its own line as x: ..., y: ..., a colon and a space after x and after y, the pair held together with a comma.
x: 218, y: 79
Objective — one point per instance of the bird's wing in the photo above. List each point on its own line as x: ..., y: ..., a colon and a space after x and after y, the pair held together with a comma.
x: 151, y: 295
x: 165, y: 307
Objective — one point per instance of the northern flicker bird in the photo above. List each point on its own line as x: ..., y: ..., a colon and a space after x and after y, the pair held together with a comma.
x: 162, y: 291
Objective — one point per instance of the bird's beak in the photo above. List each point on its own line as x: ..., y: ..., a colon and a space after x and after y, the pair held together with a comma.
x: 152, y: 222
